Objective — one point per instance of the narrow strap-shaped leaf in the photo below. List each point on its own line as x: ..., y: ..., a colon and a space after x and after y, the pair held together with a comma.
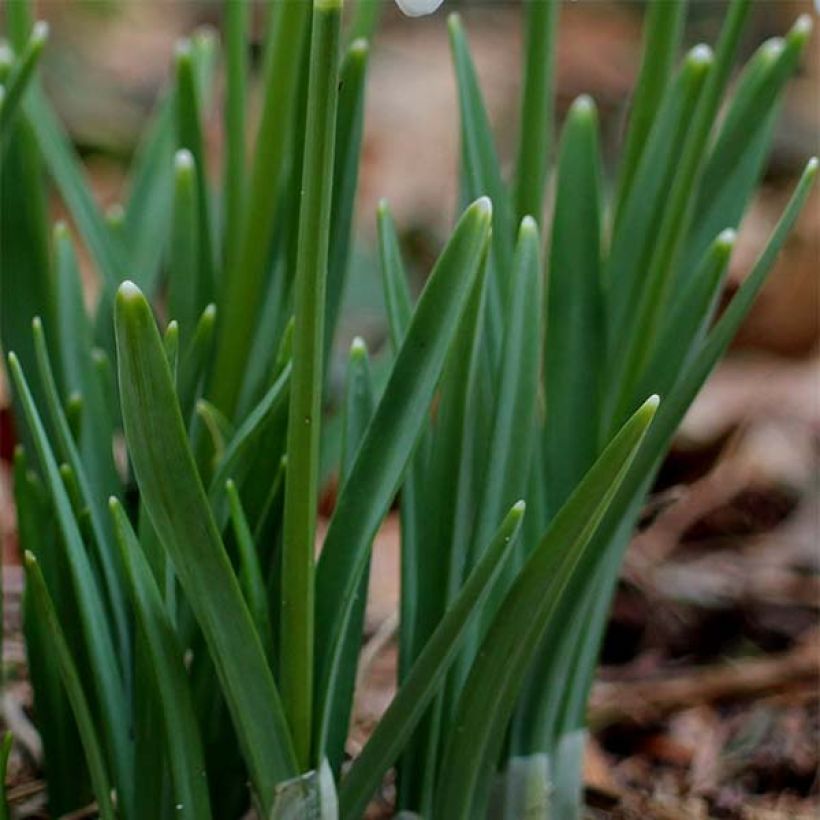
x: 661, y: 40
x: 94, y: 755
x: 89, y: 499
x: 511, y: 641
x: 110, y: 694
x: 640, y: 334
x: 66, y: 170
x: 399, y: 307
x: 378, y: 468
x: 616, y: 527
x: 150, y: 198
x: 296, y: 642
x: 183, y: 744
x: 242, y: 288
x: 37, y: 534
x: 185, y: 287
x: 349, y: 128
x: 235, y: 458
x: 19, y: 22
x: 170, y: 342
x: 483, y: 177
x: 250, y: 573
x: 394, y: 279
x: 640, y: 215
x: 194, y: 362
x: 536, y: 124
x: 5, y: 751
x: 177, y: 505
x: 427, y: 673
x: 14, y: 87
x: 190, y: 137
x: 365, y: 20
x: 433, y: 572
x: 237, y: 18
x: 79, y: 377
x: 357, y: 410
x: 575, y: 346
x: 737, y: 159
x: 26, y: 274
x: 690, y: 317
x: 509, y: 447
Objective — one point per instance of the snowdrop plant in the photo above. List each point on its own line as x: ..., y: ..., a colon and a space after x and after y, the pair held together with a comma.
x: 183, y: 638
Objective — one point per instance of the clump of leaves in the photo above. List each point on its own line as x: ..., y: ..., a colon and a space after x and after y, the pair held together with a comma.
x: 183, y: 638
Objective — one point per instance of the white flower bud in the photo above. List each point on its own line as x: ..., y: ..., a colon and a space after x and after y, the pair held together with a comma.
x: 418, y: 8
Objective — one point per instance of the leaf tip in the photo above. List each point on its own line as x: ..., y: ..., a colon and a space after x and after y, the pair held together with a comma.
x: 183, y: 161
x: 726, y: 239
x: 483, y: 206
x: 29, y: 559
x: 529, y: 228
x: 39, y: 33
x: 358, y: 348
x: 701, y: 56
x: 583, y: 106
x: 129, y: 292
x: 359, y: 48
x: 802, y: 28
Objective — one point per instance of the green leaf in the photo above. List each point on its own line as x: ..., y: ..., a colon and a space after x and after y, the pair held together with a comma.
x: 737, y: 160
x: 304, y: 417
x: 575, y: 344
x: 150, y: 199
x: 387, y: 446
x: 357, y: 410
x: 89, y: 499
x: 427, y: 673
x: 438, y: 504
x: 510, y: 442
x: 178, y: 508
x: 237, y: 18
x: 190, y: 137
x: 663, y: 27
x: 92, y: 747
x: 243, y: 286
x: 182, y: 741
x: 5, y: 751
x: 535, y: 130
x: 97, y: 638
x: 489, y: 694
x: 349, y: 128
x: 689, y: 319
x: 615, y: 530
x: 250, y: 573
x: 195, y: 360
x: 14, y: 87
x: 483, y: 177
x: 186, y: 288
x: 67, y: 788
x: 65, y: 168
x: 641, y: 213
x: 394, y: 279
x: 237, y: 458
x: 640, y: 335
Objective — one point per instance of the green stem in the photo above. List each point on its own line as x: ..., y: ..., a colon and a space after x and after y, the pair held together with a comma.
x: 301, y: 484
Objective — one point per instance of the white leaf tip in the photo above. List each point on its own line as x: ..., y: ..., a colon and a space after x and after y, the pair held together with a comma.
x: 129, y: 291
x: 358, y: 348
x: 701, y: 55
